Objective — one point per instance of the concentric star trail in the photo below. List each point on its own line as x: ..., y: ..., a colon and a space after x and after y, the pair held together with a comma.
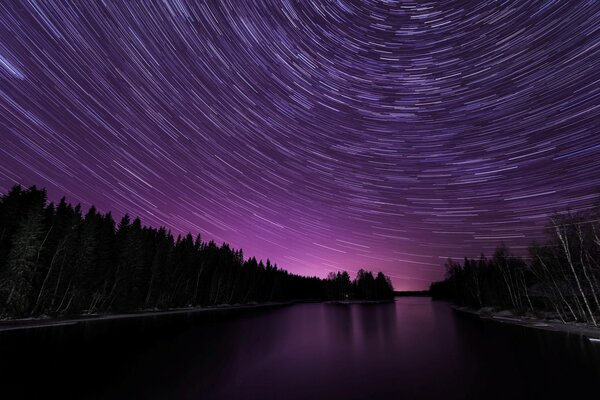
x: 323, y: 135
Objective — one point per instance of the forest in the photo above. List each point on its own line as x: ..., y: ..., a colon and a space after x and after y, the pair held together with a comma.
x: 55, y: 260
x: 558, y: 279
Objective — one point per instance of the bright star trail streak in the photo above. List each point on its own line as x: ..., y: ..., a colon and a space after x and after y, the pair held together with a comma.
x: 323, y: 135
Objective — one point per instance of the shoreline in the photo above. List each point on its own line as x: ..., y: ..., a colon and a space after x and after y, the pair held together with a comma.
x: 41, y: 322
x: 589, y: 332
x: 46, y: 322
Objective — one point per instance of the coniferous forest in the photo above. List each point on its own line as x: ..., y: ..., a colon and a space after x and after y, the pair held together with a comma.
x: 558, y: 279
x: 57, y: 260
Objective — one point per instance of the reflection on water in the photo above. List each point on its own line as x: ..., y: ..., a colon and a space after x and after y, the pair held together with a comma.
x: 411, y: 349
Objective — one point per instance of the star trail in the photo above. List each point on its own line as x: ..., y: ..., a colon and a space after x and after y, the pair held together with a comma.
x: 324, y: 135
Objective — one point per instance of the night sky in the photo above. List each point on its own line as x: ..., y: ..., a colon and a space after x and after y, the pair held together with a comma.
x: 324, y: 135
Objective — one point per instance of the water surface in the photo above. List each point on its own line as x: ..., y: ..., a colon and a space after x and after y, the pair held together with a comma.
x: 414, y: 348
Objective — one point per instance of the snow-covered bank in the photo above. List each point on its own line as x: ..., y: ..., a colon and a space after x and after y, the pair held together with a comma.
x: 590, y: 332
x: 42, y: 322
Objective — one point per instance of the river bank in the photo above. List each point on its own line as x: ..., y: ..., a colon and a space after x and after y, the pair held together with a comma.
x: 43, y: 322
x: 590, y: 332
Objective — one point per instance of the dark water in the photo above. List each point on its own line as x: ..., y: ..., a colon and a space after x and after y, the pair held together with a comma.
x: 411, y: 349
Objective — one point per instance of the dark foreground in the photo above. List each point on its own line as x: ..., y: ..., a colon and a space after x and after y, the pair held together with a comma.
x: 411, y: 349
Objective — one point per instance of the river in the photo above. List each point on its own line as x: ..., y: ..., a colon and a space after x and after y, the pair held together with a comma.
x: 414, y: 348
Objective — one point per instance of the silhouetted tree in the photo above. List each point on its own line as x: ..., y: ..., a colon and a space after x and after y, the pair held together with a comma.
x: 55, y: 261
x: 560, y: 277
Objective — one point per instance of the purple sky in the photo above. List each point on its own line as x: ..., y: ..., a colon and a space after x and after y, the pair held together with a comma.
x: 324, y: 135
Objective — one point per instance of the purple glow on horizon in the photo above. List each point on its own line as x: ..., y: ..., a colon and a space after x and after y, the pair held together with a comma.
x: 324, y: 135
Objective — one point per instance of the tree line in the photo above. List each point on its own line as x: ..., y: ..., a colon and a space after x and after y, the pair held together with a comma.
x: 55, y: 260
x: 560, y: 278
x: 365, y: 286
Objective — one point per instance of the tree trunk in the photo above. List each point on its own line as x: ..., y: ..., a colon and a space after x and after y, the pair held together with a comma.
x: 46, y: 278
x: 40, y: 249
x: 567, y: 251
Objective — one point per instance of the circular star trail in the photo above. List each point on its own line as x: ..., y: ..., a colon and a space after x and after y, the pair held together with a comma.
x: 324, y: 135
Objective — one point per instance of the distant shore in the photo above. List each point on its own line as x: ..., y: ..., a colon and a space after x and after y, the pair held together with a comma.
x: 590, y: 332
x: 359, y: 301
x: 44, y: 322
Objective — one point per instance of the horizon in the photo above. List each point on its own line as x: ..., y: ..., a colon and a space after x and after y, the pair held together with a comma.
x: 117, y: 216
x: 322, y: 136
